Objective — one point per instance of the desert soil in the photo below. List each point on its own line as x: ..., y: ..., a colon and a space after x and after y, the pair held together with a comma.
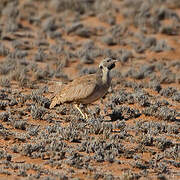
x: 132, y: 132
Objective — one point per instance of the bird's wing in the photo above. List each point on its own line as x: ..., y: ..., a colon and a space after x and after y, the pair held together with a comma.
x: 76, y: 90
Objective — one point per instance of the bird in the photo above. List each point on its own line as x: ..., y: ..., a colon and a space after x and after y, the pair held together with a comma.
x: 86, y: 89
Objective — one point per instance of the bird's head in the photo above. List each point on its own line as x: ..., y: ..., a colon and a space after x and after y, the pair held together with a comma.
x: 107, y: 64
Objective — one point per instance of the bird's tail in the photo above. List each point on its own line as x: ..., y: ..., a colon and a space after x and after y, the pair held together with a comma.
x: 53, y: 103
x: 56, y: 100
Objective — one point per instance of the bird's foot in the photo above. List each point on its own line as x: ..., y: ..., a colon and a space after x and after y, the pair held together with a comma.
x: 85, y: 116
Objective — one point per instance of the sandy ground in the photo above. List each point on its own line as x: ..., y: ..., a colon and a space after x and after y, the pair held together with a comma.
x: 132, y: 132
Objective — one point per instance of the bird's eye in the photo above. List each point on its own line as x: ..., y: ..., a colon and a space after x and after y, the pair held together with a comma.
x: 108, y: 60
x: 101, y: 67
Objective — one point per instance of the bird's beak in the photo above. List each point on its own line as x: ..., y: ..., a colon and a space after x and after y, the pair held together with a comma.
x: 115, y: 60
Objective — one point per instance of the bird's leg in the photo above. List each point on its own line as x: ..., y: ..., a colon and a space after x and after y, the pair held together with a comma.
x: 87, y: 110
x: 84, y: 115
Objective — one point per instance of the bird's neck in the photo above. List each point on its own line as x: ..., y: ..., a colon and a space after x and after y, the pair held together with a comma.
x: 104, y: 75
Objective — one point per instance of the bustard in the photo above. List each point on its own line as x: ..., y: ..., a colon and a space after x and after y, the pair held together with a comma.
x: 88, y: 88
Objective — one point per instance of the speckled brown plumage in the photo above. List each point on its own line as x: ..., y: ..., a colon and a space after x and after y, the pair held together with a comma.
x: 88, y: 88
